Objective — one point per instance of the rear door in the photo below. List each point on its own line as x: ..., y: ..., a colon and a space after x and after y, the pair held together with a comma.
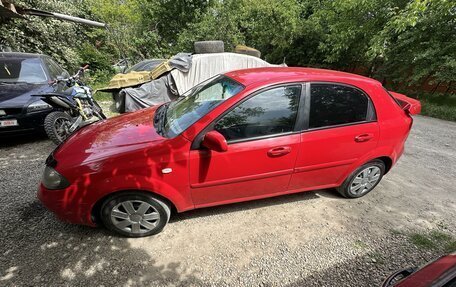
x: 341, y: 128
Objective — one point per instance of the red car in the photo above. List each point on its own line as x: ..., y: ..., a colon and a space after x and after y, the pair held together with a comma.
x: 240, y: 136
x: 439, y: 273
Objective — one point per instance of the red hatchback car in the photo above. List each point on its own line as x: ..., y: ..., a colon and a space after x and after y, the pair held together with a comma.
x: 240, y: 136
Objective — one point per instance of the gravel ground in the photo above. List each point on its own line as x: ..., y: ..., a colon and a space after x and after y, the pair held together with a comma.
x: 308, y: 239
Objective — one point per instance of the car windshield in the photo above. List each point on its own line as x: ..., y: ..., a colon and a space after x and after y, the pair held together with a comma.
x: 197, y: 102
x: 29, y: 70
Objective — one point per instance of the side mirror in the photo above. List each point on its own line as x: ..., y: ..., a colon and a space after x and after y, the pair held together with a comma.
x: 215, y: 141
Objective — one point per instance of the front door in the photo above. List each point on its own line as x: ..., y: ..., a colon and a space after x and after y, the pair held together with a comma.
x: 262, y: 149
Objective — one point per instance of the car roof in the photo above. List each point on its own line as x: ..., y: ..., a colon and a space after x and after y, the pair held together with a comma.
x: 20, y: 55
x: 273, y: 75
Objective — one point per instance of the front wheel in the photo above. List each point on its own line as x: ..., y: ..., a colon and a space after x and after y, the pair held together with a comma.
x: 363, y: 180
x: 57, y: 126
x: 135, y: 214
x: 98, y: 111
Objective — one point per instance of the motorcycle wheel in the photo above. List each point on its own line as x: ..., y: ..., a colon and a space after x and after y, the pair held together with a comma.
x: 57, y: 125
x: 99, y: 111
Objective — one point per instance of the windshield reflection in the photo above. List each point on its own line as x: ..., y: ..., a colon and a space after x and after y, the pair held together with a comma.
x: 197, y: 102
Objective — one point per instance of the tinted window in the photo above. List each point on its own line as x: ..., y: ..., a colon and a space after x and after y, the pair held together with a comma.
x: 270, y: 112
x: 335, y: 105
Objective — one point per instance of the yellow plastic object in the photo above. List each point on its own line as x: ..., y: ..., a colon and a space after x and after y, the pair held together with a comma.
x: 160, y: 70
x: 242, y: 49
x: 133, y: 78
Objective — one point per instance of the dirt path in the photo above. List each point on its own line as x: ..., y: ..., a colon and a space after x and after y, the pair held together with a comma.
x: 308, y: 239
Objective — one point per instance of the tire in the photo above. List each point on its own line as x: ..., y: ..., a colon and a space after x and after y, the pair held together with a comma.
x: 119, y: 102
x: 205, y: 47
x: 122, y: 214
x: 54, y: 126
x: 360, y: 183
x: 241, y: 49
x: 98, y: 111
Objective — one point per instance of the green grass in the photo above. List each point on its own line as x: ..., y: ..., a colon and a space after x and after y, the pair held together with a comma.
x: 377, y: 256
x: 439, y: 106
x: 434, y: 240
x: 422, y: 241
x: 103, y: 96
x: 100, y: 80
x: 360, y: 244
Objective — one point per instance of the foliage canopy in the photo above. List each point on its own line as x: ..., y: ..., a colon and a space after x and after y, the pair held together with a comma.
x: 403, y: 43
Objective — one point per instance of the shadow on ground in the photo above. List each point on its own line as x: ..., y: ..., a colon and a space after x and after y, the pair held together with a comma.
x: 374, y: 265
x: 76, y: 255
x: 259, y: 203
x: 79, y: 255
x: 15, y: 140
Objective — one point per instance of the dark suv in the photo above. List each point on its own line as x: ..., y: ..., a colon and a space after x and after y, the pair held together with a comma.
x: 23, y: 75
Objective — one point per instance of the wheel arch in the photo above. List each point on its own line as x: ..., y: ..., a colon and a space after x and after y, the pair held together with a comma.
x: 387, y: 161
x: 96, y: 208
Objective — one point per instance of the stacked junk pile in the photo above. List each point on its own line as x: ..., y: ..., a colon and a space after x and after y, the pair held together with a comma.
x: 169, y: 79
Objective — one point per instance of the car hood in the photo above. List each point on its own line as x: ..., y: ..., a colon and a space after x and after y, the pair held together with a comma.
x: 112, y: 137
x: 19, y: 95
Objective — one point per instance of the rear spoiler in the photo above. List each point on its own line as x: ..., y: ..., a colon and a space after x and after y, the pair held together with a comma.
x: 410, y: 105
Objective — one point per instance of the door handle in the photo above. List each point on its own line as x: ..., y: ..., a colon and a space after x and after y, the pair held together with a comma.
x: 279, y: 151
x: 364, y: 138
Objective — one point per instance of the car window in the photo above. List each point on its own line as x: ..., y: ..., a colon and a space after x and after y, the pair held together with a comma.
x: 55, y: 70
x: 332, y: 104
x: 146, y: 65
x: 268, y: 113
x: 29, y: 70
x: 197, y: 102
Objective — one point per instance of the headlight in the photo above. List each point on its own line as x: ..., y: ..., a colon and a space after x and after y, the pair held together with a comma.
x: 38, y: 106
x: 53, y: 180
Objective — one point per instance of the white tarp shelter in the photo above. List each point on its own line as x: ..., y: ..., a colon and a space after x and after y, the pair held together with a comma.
x: 201, y: 67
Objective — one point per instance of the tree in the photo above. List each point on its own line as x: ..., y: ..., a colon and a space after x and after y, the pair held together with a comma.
x: 56, y: 38
x: 418, y: 43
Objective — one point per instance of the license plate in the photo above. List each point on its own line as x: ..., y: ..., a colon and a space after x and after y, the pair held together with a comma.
x: 8, y: 123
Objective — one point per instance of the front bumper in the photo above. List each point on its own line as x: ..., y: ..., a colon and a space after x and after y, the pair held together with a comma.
x: 66, y: 205
x: 27, y: 122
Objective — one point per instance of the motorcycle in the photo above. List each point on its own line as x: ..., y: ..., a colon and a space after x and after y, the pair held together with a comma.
x: 74, y: 108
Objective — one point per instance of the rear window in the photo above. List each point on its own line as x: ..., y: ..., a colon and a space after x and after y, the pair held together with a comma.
x: 400, y: 103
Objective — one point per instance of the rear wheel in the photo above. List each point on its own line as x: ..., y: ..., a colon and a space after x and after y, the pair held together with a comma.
x: 135, y: 214
x: 363, y: 180
x: 57, y: 126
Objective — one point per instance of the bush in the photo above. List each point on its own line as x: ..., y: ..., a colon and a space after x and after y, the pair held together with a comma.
x: 97, y: 61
